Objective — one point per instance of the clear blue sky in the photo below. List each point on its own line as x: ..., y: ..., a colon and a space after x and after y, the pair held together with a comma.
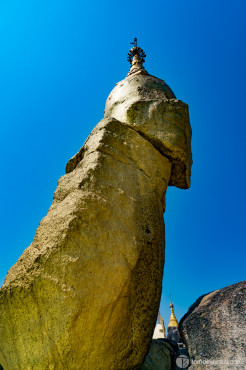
x: 59, y: 60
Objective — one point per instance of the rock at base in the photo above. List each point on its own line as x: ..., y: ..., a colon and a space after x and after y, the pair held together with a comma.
x: 159, y: 356
x: 214, y: 329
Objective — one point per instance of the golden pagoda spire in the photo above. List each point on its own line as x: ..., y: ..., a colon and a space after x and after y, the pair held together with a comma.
x: 173, y: 321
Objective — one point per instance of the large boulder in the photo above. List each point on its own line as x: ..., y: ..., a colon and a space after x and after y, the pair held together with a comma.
x: 214, y: 329
x: 85, y: 294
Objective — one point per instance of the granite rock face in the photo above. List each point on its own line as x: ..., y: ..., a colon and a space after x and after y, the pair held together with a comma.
x: 214, y: 329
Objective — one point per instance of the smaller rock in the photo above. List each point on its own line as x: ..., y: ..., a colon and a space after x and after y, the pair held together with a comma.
x: 159, y: 356
x: 174, y: 335
x: 214, y: 329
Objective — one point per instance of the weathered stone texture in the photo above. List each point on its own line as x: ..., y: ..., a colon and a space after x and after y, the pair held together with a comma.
x: 149, y: 106
x: 86, y: 293
x: 214, y: 329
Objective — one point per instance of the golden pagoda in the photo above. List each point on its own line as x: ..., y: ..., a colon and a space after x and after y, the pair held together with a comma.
x: 173, y: 322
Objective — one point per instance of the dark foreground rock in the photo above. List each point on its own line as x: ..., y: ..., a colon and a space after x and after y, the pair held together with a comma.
x: 159, y: 356
x: 165, y: 354
x: 214, y: 329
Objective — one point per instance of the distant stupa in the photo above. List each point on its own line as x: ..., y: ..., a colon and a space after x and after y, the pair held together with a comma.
x: 160, y: 331
x: 172, y: 330
x: 173, y: 322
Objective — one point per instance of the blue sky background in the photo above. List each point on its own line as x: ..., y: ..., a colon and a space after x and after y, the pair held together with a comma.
x: 59, y: 60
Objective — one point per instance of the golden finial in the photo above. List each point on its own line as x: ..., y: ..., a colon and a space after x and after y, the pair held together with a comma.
x: 173, y: 321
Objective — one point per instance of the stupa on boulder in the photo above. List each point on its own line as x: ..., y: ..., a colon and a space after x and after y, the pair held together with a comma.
x: 97, y: 258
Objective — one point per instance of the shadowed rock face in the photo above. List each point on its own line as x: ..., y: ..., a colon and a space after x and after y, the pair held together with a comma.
x: 159, y: 356
x: 86, y: 292
x: 214, y: 329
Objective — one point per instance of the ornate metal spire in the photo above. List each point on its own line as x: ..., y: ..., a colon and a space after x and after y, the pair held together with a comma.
x: 136, y: 57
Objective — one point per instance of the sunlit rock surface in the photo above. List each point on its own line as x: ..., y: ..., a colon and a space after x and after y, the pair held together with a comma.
x: 96, y: 262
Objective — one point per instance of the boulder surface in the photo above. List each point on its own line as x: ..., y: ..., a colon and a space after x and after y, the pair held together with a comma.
x: 214, y: 329
x: 95, y: 264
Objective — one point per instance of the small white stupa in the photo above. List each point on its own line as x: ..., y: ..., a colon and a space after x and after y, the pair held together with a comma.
x: 159, y: 331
